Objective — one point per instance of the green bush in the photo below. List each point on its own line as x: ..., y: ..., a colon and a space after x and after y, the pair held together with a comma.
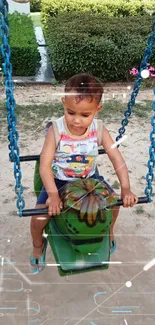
x: 114, y: 8
x: 107, y: 47
x: 24, y: 53
x: 35, y: 5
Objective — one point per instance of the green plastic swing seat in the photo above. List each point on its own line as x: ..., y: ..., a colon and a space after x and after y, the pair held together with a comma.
x: 90, y: 251
x: 70, y: 262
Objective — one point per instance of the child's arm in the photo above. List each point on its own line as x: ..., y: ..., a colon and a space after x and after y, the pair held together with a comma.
x: 54, y: 203
x: 129, y: 199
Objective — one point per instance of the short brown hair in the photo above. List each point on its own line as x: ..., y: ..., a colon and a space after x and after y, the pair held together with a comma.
x: 85, y: 85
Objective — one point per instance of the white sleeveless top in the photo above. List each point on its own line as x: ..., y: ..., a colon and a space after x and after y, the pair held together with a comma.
x: 75, y: 156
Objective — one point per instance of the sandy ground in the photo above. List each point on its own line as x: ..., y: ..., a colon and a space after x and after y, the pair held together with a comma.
x: 46, y: 93
x: 95, y: 298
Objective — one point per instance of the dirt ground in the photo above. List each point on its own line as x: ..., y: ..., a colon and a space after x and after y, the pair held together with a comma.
x: 123, y: 294
x: 26, y: 95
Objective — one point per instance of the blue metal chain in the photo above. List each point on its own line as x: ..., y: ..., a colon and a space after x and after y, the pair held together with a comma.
x: 128, y: 111
x: 10, y: 103
x: 151, y: 161
x: 144, y: 64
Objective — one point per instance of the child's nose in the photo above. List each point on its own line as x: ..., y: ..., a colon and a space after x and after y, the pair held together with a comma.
x: 77, y: 119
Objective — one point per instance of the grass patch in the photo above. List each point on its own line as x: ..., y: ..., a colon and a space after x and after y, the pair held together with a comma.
x: 25, y: 57
x: 143, y: 177
x: 34, y: 117
x: 114, y: 107
x: 31, y: 117
x: 147, y: 83
x: 116, y: 185
x: 150, y: 216
x: 139, y: 210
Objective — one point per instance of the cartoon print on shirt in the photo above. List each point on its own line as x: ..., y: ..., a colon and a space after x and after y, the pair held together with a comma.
x: 77, y: 147
x: 75, y: 157
x: 78, y: 166
x: 83, y: 148
x: 70, y: 148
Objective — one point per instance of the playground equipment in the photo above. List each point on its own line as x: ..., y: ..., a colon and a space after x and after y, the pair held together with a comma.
x: 70, y: 260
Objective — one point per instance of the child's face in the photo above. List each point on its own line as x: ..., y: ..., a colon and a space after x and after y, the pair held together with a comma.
x: 79, y: 115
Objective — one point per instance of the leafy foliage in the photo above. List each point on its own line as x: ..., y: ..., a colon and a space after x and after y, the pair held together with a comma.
x: 24, y: 53
x: 115, y: 8
x: 107, y: 47
x: 35, y: 5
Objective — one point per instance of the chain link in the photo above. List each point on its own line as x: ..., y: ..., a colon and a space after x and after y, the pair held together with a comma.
x: 10, y: 103
x: 151, y: 161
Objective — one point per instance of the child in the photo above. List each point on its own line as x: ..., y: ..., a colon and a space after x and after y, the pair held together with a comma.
x: 71, y: 148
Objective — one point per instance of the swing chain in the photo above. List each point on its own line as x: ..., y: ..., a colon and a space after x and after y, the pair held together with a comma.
x: 128, y: 111
x: 151, y: 161
x: 10, y: 103
x: 143, y: 65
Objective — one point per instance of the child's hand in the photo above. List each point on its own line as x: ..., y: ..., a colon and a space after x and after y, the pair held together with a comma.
x: 129, y: 199
x: 54, y: 204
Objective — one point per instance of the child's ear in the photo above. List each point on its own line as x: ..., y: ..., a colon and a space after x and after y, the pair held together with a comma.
x: 99, y: 107
x: 63, y: 100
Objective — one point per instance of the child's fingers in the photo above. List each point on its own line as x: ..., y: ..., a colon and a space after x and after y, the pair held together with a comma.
x: 132, y: 201
x: 50, y: 212
x: 135, y: 199
x: 53, y: 211
x: 126, y: 202
x: 57, y: 210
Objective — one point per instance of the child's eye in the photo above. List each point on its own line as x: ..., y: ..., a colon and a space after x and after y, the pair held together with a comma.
x: 71, y: 113
x: 85, y: 115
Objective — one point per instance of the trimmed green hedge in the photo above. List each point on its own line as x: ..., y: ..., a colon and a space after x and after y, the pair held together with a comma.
x: 35, y: 5
x: 119, y: 8
x: 24, y: 53
x: 107, y: 47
